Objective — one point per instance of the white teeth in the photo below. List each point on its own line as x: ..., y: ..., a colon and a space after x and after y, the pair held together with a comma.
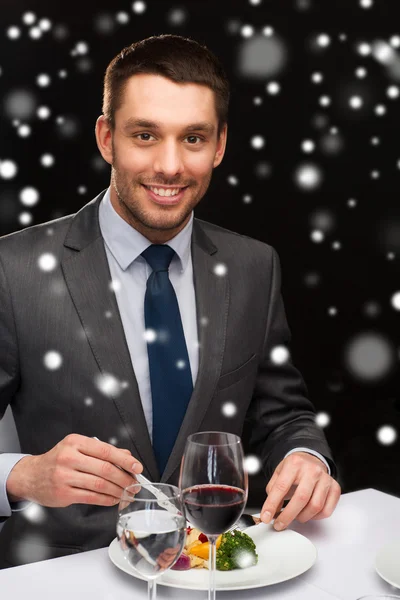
x: 163, y: 192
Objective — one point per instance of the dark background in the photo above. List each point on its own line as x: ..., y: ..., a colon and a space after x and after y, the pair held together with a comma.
x: 338, y: 292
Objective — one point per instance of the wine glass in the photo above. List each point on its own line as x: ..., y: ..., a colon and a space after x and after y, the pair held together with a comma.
x: 151, y: 529
x: 214, y: 485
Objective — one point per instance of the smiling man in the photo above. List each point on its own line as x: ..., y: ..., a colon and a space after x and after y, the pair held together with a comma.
x: 159, y: 320
x: 161, y: 167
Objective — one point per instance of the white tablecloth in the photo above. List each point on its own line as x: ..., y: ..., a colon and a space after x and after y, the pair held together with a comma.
x: 347, y: 544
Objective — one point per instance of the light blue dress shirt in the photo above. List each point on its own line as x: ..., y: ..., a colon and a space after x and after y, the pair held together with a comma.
x: 129, y: 272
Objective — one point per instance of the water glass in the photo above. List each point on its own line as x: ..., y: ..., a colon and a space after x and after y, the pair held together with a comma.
x: 151, y: 531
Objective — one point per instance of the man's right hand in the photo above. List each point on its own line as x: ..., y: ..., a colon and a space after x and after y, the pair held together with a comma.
x: 78, y: 470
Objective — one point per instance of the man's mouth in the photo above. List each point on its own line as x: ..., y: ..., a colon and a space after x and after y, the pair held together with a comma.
x: 166, y: 196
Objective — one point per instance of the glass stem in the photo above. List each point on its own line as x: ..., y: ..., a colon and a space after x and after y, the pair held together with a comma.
x: 152, y: 589
x: 212, y: 565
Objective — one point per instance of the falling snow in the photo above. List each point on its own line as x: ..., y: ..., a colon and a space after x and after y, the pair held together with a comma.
x: 252, y: 464
x: 229, y: 409
x: 52, y: 360
x: 315, y: 172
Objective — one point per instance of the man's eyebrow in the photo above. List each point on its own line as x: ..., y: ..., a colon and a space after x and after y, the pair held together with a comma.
x: 201, y: 126
x: 132, y: 123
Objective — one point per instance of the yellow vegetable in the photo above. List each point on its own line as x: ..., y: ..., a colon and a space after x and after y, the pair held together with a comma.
x: 202, y: 550
x: 190, y: 547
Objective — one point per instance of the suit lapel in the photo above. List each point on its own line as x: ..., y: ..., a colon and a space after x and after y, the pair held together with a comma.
x: 212, y: 302
x: 88, y: 278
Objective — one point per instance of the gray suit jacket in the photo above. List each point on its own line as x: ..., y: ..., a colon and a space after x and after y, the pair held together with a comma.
x: 240, y: 319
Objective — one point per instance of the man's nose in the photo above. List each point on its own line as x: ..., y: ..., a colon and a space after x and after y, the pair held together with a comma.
x: 169, y: 159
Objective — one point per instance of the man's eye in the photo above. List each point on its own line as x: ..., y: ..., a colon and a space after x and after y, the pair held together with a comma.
x: 145, y: 137
x: 194, y: 137
x: 141, y: 134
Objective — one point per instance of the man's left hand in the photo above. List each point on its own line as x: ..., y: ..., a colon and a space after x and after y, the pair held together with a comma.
x: 303, y: 479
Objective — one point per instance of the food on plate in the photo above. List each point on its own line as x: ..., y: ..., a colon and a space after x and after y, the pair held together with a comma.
x: 235, y: 550
x: 183, y: 563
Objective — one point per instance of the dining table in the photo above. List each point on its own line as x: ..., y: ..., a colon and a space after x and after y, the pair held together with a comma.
x: 347, y: 544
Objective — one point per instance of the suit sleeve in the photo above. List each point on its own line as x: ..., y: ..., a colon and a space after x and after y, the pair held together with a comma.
x: 7, y: 463
x: 9, y: 379
x: 281, y: 417
x: 9, y: 364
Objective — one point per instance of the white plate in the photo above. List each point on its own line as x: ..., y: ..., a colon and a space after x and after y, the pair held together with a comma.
x: 387, y: 563
x: 282, y: 555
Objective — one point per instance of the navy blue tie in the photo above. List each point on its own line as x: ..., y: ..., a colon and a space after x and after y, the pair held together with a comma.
x: 170, y: 374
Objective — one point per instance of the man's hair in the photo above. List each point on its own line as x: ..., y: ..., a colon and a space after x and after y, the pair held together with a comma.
x: 180, y: 59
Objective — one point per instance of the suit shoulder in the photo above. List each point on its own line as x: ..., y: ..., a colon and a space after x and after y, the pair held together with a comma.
x: 232, y: 238
x: 30, y: 236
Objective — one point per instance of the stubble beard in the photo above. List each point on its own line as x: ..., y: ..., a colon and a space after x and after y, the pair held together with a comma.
x: 136, y: 215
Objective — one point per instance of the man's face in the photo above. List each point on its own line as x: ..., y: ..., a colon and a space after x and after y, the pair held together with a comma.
x: 165, y: 137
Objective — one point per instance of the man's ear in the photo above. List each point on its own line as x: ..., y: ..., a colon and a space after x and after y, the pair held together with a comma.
x: 104, y: 138
x: 221, y: 145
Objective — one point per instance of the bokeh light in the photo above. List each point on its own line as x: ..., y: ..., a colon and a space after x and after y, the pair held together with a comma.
x: 395, y: 300
x: 261, y: 57
x: 322, y: 419
x: 257, y: 142
x: 150, y: 335
x: 8, y: 169
x: 29, y: 196
x: 386, y: 435
x: 322, y: 219
x: 308, y: 177
x: 108, y: 385
x: 220, y: 269
x: 19, y: 104
x: 229, y: 409
x: 47, y: 262
x: 52, y: 360
x: 369, y: 357
x: 177, y: 16
x: 252, y: 464
x: 31, y: 548
x: 279, y: 355
x: 104, y: 24
x: 139, y: 7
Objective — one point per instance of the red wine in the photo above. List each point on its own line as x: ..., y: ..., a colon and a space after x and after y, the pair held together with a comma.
x: 213, y: 508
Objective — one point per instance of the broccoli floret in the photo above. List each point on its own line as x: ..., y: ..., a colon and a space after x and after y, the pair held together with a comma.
x: 236, y: 551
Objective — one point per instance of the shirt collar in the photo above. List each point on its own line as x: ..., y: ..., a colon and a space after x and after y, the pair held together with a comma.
x: 126, y: 244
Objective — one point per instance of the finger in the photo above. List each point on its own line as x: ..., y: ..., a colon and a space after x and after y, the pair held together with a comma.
x: 278, y: 491
x: 106, y: 452
x: 317, y: 501
x: 290, y: 494
x: 87, y: 465
x: 278, y: 511
x: 271, y: 483
x: 331, y: 501
x: 123, y: 449
x: 83, y: 496
x: 300, y: 499
x: 170, y: 551
x: 274, y: 477
x: 98, y: 483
